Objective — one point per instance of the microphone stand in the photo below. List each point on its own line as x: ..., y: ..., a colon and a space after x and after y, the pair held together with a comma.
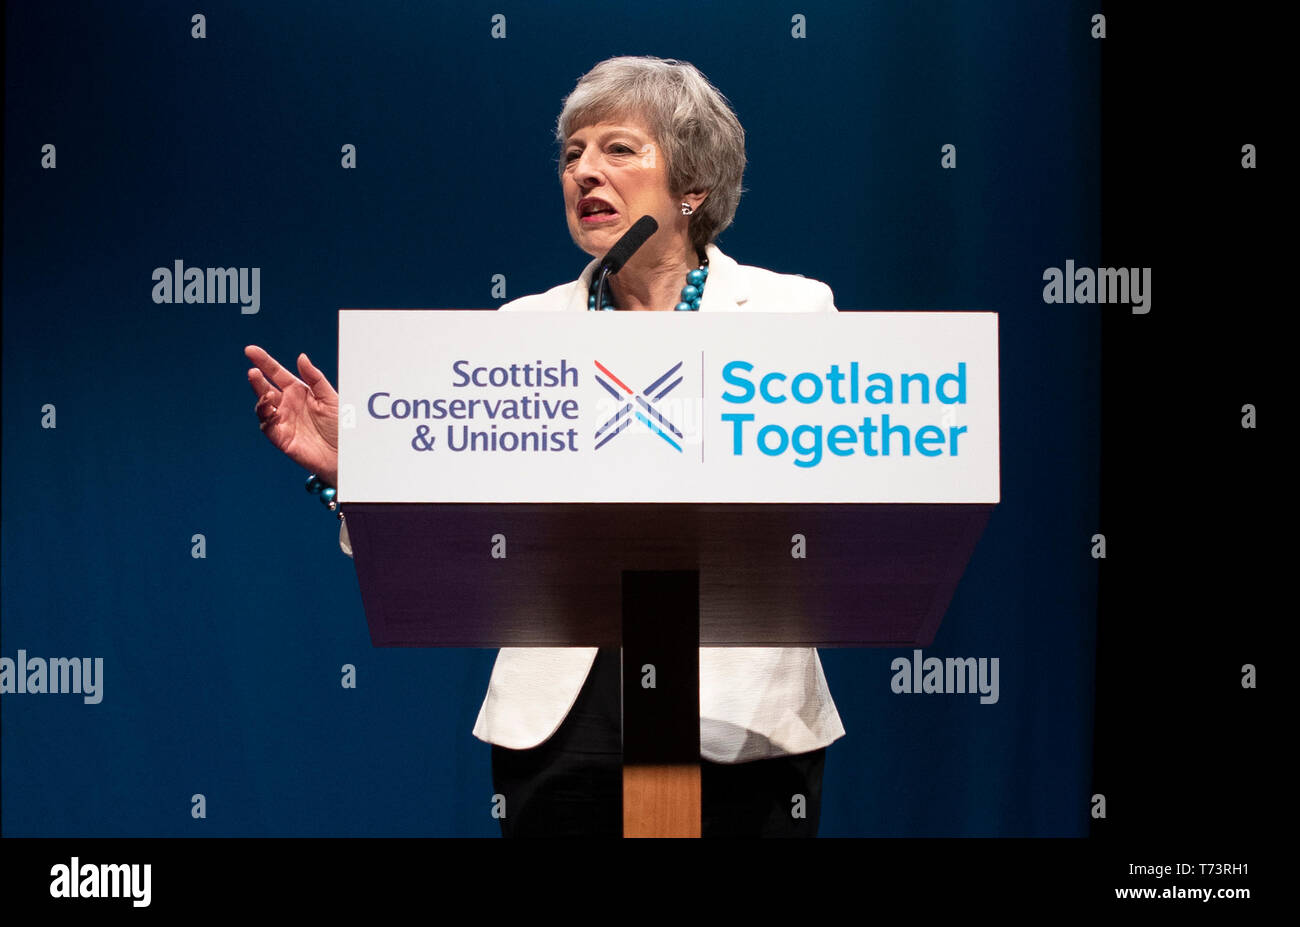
x: 600, y: 287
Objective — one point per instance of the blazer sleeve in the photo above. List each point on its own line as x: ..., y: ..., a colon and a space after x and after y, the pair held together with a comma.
x: 789, y: 293
x: 824, y: 299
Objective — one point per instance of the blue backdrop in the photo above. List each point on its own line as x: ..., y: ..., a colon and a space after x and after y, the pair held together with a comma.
x: 221, y: 674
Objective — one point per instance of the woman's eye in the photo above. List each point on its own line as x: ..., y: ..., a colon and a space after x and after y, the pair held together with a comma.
x: 614, y: 149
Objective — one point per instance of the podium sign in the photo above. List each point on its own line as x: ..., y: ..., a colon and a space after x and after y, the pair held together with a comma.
x: 449, y: 406
x: 665, y: 441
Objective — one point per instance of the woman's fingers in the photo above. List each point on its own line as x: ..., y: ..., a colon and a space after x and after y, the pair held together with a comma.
x: 315, y: 380
x: 270, y: 367
x: 285, y: 414
x: 265, y: 404
x: 266, y: 410
x: 260, y: 386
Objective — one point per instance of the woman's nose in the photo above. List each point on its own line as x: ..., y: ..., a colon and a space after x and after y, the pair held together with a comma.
x: 588, y: 170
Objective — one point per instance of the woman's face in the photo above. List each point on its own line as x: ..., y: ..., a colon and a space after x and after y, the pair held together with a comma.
x: 613, y: 175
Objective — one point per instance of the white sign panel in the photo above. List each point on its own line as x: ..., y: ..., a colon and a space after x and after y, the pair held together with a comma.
x: 853, y: 407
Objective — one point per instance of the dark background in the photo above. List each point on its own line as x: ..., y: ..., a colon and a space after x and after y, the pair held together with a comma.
x: 222, y: 674
x: 1191, y: 501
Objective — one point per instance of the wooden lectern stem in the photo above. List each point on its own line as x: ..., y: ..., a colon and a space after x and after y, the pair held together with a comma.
x: 661, y: 703
x: 661, y: 801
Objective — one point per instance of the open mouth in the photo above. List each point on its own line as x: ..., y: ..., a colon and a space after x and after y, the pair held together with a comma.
x: 594, y: 211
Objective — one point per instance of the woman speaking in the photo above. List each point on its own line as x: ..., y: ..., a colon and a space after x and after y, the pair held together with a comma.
x: 638, y: 136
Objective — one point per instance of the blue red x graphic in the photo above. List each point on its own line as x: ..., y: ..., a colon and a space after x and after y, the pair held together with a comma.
x: 628, y: 397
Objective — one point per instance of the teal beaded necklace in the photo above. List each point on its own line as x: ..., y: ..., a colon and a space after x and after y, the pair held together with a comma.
x: 691, y: 293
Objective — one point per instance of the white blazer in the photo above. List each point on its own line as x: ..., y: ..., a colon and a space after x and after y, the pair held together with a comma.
x: 755, y: 702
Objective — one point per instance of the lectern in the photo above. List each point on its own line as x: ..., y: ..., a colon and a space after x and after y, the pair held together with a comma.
x: 659, y: 483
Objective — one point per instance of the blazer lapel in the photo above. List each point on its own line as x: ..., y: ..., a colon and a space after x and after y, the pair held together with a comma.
x: 577, y: 300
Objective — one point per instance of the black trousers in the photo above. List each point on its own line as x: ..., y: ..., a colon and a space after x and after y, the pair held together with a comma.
x: 572, y: 785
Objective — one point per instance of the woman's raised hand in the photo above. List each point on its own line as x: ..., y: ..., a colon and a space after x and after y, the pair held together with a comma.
x: 299, y: 416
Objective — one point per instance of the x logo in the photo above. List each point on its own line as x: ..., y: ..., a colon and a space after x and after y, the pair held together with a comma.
x: 629, y: 397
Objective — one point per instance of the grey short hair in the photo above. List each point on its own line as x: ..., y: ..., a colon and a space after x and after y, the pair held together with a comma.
x: 699, y: 135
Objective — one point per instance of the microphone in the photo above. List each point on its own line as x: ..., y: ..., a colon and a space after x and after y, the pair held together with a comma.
x: 623, y: 249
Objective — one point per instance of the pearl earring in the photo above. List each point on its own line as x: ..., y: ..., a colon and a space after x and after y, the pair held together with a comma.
x: 687, y: 209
